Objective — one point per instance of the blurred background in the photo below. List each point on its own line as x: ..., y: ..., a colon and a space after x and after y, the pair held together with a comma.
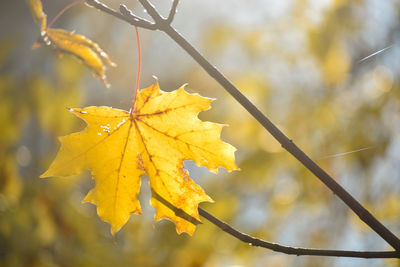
x: 301, y: 62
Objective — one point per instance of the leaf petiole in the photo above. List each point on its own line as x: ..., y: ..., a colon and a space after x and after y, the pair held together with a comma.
x: 138, y: 72
x: 77, y: 2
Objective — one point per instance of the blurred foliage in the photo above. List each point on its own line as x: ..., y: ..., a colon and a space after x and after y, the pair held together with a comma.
x: 298, y: 61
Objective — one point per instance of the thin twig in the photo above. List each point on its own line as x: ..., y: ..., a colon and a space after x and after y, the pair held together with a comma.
x: 172, y: 12
x: 293, y: 250
x: 159, y: 20
x: 133, y: 21
x: 269, y: 245
x: 160, y: 23
x: 128, y: 13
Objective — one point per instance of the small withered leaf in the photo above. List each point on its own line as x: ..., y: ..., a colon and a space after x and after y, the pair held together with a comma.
x: 63, y: 41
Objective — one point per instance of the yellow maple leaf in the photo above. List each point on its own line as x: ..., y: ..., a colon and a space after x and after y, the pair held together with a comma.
x: 155, y: 140
x: 64, y: 41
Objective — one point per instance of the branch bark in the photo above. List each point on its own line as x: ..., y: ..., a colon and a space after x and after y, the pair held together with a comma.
x: 163, y: 24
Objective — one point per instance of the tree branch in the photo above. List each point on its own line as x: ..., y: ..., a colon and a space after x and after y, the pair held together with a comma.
x: 293, y: 250
x: 161, y: 23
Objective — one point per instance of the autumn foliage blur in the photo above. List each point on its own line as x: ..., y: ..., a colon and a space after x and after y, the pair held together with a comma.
x: 298, y: 61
